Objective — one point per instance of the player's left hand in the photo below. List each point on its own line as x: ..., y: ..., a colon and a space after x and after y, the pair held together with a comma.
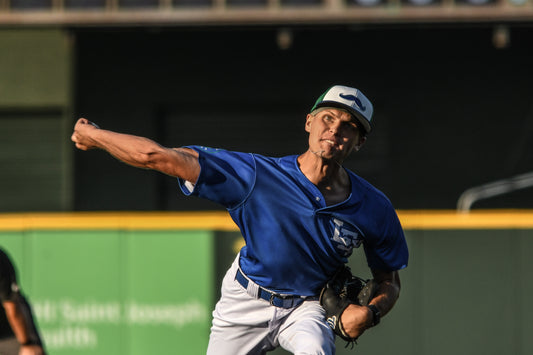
x: 355, y: 320
x: 81, y: 134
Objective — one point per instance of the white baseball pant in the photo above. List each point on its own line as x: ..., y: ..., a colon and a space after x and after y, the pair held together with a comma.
x: 245, y: 325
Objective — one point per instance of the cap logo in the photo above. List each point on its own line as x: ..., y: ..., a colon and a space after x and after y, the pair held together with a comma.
x: 354, y: 99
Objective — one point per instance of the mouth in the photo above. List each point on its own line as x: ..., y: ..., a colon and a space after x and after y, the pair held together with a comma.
x: 330, y: 142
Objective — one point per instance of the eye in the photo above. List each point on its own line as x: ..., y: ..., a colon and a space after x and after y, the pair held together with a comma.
x: 351, y: 126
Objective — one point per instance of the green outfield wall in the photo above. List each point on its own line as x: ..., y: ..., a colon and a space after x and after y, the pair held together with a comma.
x: 145, y: 283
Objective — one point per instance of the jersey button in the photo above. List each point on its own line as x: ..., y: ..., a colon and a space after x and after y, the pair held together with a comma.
x: 317, y: 198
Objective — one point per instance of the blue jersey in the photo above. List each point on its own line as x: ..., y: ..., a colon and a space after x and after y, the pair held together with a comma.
x: 294, y: 242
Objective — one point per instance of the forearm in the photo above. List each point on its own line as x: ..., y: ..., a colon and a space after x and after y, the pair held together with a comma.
x: 16, y: 321
x: 387, y: 294
x: 356, y: 319
x: 137, y: 151
x: 133, y: 150
x: 20, y: 319
x: 144, y: 153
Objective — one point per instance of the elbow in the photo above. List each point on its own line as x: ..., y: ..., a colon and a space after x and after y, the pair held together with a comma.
x: 149, y: 159
x: 159, y: 159
x: 395, y: 284
x: 169, y: 161
x: 152, y: 160
x: 390, y: 286
x: 391, y: 289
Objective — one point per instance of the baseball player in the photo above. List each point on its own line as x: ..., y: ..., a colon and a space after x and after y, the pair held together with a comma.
x: 300, y: 217
x: 18, y: 333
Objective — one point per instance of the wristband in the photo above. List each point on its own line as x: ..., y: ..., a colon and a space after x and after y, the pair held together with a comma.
x: 376, y: 314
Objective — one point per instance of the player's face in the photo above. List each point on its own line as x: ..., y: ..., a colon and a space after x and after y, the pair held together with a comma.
x: 333, y: 134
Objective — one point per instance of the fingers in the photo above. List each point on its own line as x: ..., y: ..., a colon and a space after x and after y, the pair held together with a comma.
x: 80, y: 122
x: 74, y: 138
x: 78, y: 141
x: 80, y: 135
x: 81, y: 146
x: 84, y: 121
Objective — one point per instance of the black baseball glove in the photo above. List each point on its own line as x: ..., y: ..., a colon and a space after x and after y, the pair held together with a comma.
x: 341, y: 291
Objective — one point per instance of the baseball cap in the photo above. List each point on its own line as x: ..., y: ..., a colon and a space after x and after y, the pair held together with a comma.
x: 350, y: 99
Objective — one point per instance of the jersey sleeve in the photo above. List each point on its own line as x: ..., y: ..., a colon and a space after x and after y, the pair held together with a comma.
x: 225, y: 177
x: 7, y: 278
x: 388, y: 250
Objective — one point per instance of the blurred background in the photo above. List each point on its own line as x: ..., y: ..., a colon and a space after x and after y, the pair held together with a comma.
x: 451, y: 85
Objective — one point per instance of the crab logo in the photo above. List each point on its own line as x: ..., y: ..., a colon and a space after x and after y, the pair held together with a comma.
x: 354, y: 99
x: 345, y: 237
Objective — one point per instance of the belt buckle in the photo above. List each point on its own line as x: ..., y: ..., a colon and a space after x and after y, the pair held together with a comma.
x: 283, y: 298
x: 272, y: 296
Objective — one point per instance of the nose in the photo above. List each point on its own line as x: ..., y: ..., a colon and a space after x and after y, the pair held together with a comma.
x: 334, y: 127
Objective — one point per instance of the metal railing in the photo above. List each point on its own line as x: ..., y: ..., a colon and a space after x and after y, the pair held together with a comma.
x: 223, y: 12
x: 493, y: 189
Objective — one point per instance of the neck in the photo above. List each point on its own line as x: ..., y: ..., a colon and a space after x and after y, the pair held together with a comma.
x: 328, y: 175
x: 319, y: 170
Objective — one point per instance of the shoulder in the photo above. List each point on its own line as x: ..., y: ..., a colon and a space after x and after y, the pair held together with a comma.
x: 231, y: 156
x: 221, y: 155
x: 365, y: 190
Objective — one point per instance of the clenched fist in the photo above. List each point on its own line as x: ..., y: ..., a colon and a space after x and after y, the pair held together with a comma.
x: 82, y: 134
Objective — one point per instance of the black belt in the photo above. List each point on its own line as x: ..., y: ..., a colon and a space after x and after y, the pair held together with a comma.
x: 275, y: 299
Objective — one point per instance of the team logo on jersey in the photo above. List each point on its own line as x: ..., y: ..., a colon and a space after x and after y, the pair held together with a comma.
x: 346, y: 237
x: 209, y: 149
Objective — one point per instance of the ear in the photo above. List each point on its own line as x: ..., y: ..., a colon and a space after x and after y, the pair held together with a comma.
x: 360, y: 144
x: 308, y: 121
